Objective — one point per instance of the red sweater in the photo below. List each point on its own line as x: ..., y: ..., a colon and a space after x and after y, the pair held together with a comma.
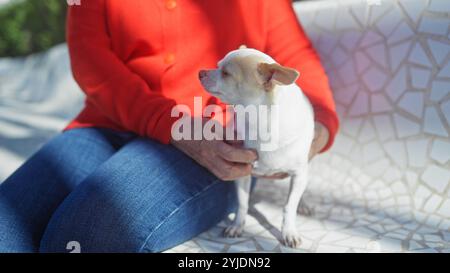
x: 136, y: 59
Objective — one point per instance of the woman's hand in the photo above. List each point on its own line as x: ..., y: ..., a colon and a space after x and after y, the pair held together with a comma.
x: 226, y: 161
x: 321, y: 137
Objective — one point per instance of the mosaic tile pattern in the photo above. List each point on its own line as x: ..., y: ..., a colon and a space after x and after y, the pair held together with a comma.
x: 384, y: 186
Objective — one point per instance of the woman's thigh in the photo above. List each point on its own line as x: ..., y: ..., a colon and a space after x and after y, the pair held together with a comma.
x: 148, y: 197
x: 30, y: 195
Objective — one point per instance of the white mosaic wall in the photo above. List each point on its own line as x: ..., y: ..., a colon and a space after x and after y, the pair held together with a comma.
x: 385, y: 185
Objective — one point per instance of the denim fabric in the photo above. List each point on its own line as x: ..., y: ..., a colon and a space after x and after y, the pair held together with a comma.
x: 109, y: 192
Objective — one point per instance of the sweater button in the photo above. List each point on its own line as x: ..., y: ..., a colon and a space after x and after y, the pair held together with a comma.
x: 171, y: 4
x: 169, y: 58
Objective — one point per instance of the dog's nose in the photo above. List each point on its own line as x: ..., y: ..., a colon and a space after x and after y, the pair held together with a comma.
x: 202, y: 74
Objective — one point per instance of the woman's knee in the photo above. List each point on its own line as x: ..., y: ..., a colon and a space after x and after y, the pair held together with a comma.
x: 196, y: 214
x: 29, y: 197
x: 66, y: 158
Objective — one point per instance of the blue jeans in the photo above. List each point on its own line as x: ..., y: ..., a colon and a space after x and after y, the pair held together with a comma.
x: 109, y: 192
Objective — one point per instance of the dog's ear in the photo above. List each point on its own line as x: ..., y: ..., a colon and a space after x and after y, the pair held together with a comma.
x: 276, y: 74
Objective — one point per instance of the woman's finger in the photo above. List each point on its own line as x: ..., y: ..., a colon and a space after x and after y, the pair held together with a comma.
x: 229, y: 171
x: 235, y: 154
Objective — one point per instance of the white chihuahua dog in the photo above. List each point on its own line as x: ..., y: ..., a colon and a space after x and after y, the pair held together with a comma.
x: 249, y: 77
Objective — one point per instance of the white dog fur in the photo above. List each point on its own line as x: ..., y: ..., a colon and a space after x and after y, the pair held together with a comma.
x: 249, y: 77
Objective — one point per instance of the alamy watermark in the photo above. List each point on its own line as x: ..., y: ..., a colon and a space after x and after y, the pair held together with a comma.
x: 73, y: 2
x: 251, y: 122
x: 373, y: 2
x: 74, y: 247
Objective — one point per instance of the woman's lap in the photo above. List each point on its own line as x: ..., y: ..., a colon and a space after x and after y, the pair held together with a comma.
x: 145, y: 192
x: 143, y: 196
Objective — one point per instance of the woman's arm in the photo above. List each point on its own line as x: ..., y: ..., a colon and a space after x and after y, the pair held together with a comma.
x: 289, y: 45
x: 116, y: 92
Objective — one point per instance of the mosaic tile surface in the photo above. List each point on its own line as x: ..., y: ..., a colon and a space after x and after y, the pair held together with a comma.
x: 384, y: 186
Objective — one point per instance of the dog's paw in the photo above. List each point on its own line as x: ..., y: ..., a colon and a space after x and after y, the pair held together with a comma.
x: 233, y: 231
x: 291, y: 239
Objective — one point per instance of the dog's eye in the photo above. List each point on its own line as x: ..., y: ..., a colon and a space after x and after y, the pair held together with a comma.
x: 225, y: 73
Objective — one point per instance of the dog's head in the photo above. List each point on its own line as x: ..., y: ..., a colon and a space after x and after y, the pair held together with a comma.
x: 244, y: 76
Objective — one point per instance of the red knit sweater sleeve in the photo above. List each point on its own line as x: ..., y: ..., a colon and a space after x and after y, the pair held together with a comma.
x: 288, y: 44
x: 118, y: 93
